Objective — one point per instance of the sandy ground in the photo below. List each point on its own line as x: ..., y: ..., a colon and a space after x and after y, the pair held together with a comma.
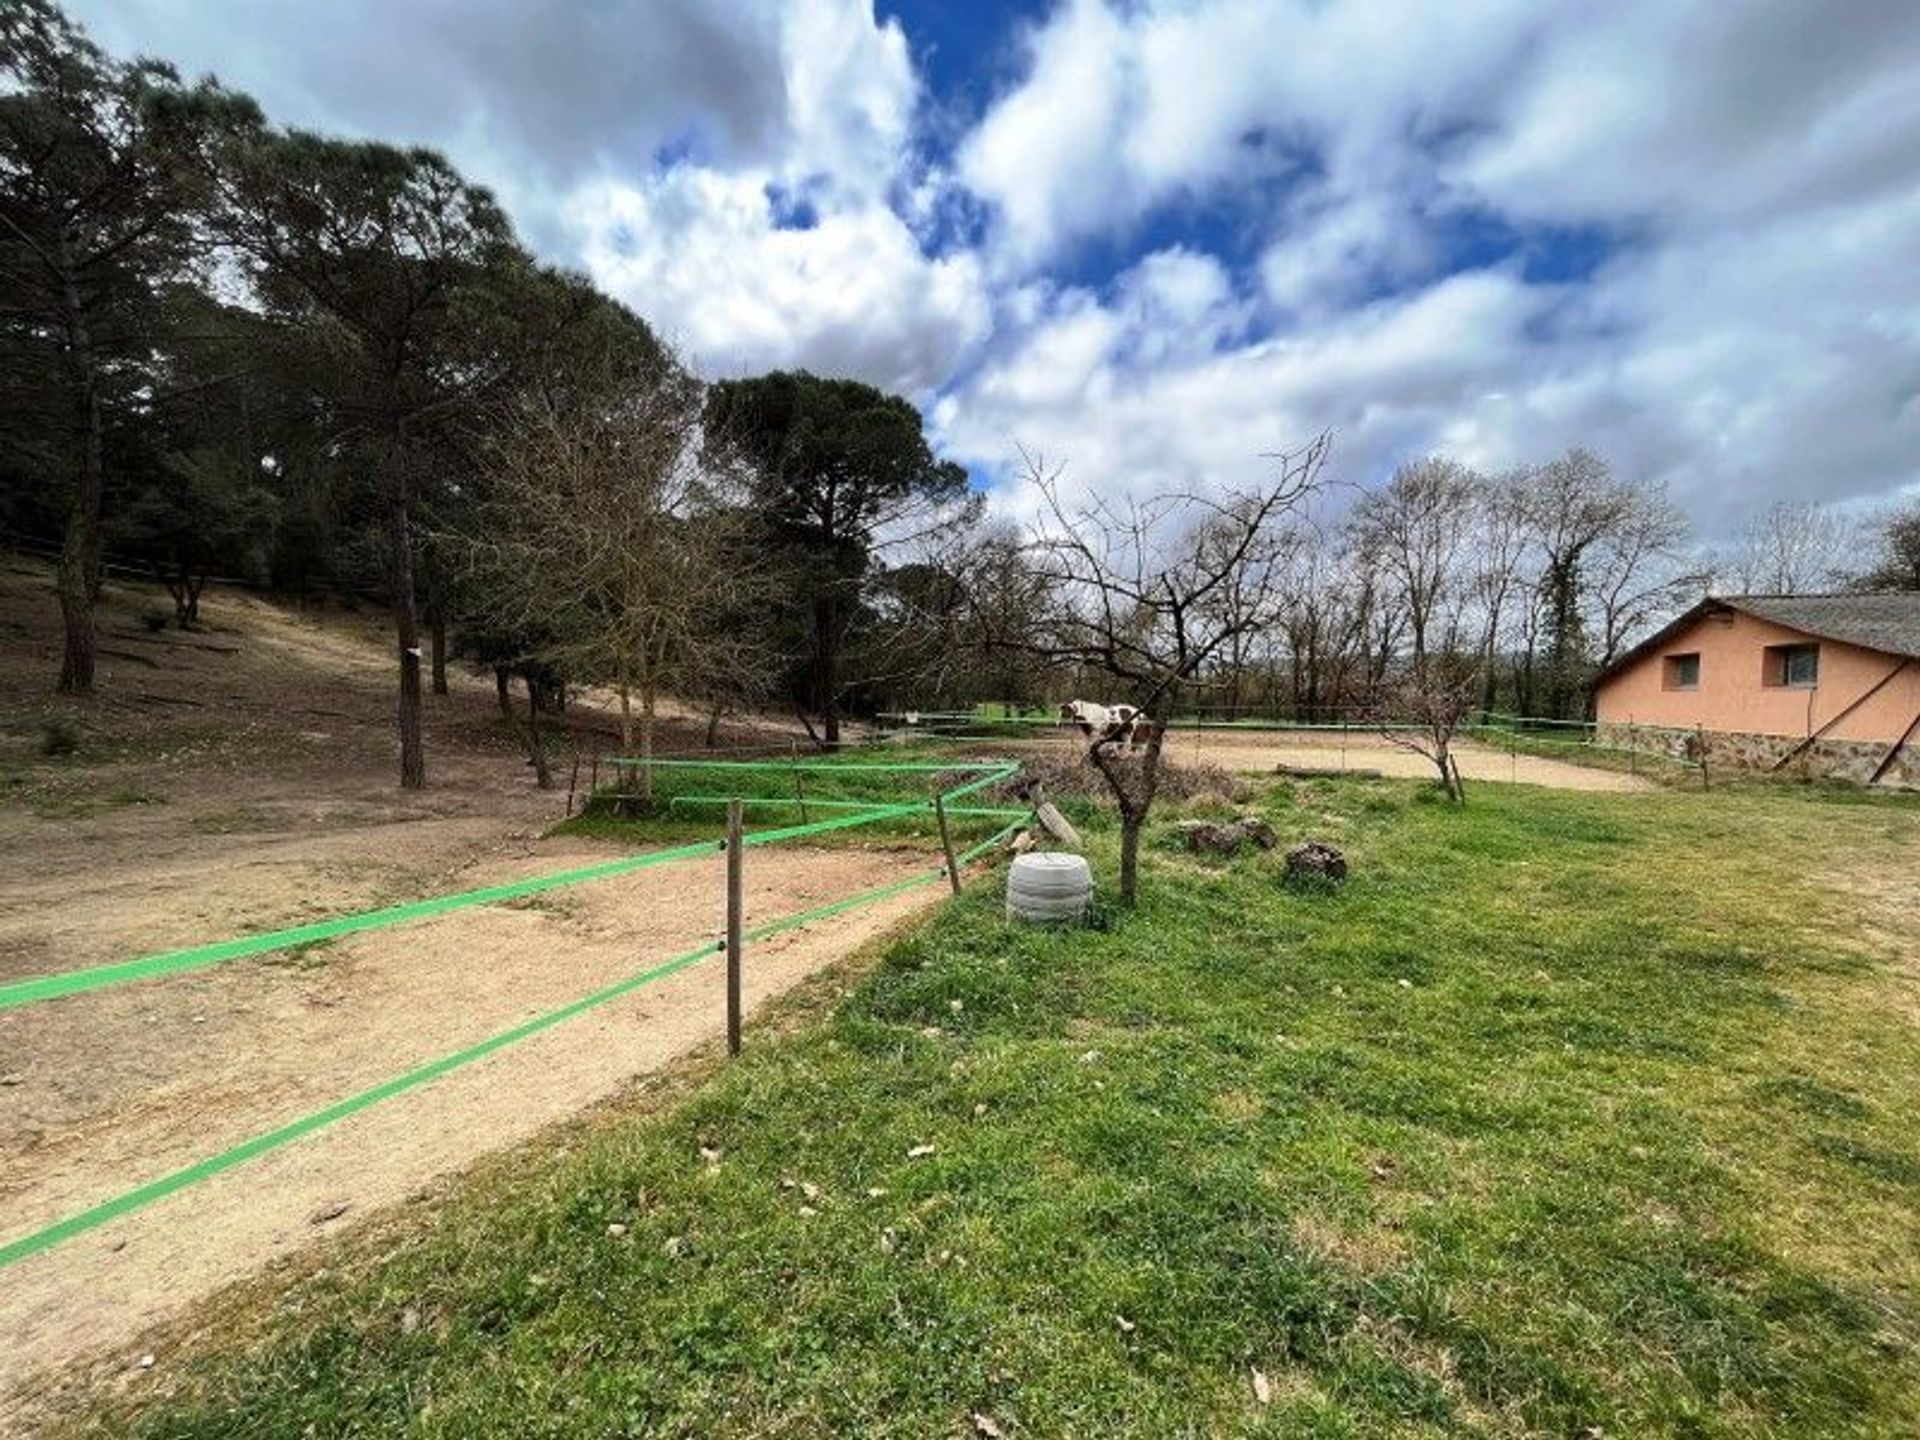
x: 183, y: 1068
x: 240, y: 778
x: 1259, y: 751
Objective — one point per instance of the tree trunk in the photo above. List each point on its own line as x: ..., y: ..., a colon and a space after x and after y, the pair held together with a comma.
x: 826, y: 665
x: 1134, y: 805
x: 646, y: 742
x: 79, y: 579
x: 626, y: 714
x: 536, y: 741
x: 1130, y: 827
x: 502, y: 681
x: 713, y: 727
x: 406, y: 625
x: 436, y: 618
x: 177, y: 586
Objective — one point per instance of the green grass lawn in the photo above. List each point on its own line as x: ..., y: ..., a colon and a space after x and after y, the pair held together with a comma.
x: 687, y: 800
x: 1570, y: 1115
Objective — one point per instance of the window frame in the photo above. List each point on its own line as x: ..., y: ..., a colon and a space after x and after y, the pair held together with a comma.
x: 1782, y: 659
x: 1671, y: 669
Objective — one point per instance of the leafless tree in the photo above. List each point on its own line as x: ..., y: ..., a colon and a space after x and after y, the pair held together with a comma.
x: 1642, y: 569
x: 1499, y: 584
x: 1414, y: 532
x: 1425, y: 707
x: 1895, y: 548
x: 604, y: 544
x: 1147, y: 593
x: 1794, y: 548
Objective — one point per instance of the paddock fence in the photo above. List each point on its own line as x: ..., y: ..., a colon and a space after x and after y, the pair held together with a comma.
x: 727, y: 782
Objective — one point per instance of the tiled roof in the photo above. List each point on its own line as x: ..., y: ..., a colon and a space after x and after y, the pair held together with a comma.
x: 1889, y: 622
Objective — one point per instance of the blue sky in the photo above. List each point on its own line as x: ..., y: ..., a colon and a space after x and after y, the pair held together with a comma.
x: 1157, y: 240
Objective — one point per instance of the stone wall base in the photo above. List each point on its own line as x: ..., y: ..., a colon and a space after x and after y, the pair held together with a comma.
x: 1825, y: 759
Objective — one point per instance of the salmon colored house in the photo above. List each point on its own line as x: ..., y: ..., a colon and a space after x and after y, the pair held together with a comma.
x: 1817, y: 684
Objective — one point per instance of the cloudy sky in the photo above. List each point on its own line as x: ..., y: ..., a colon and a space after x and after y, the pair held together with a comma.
x: 1158, y: 239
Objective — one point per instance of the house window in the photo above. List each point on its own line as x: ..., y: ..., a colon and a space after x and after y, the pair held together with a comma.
x: 1683, y: 671
x: 1796, y: 666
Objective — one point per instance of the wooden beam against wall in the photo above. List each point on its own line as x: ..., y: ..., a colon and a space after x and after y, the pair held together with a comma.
x: 1807, y: 744
x: 1893, y: 751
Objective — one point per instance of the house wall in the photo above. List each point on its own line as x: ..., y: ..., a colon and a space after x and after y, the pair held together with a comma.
x: 1732, y: 697
x: 1855, y: 760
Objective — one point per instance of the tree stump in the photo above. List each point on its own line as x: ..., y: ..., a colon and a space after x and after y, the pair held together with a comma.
x: 1317, y: 862
x: 1225, y: 837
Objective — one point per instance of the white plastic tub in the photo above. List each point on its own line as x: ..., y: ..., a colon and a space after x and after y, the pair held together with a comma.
x: 1049, y: 888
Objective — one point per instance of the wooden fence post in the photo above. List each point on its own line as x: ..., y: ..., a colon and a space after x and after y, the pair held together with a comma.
x: 735, y: 876
x: 946, y: 843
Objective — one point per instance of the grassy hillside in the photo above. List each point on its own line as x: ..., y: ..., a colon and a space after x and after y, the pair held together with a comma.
x: 1570, y: 1115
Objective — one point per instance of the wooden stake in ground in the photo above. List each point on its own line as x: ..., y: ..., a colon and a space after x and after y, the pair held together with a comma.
x: 946, y: 842
x: 735, y: 877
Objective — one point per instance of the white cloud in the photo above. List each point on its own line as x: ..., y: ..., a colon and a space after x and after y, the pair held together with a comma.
x: 1090, y: 383
x: 1753, y: 337
x: 850, y: 92
x: 1754, y: 333
x: 700, y: 254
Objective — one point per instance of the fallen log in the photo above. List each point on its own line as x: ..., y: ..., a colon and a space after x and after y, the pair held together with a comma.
x: 1051, y: 820
x: 1325, y: 772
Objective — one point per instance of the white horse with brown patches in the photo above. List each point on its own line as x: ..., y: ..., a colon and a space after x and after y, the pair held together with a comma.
x: 1107, y: 722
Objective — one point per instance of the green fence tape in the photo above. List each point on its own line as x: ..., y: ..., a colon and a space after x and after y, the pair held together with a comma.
x: 792, y: 802
x: 1005, y: 772
x: 74, y: 982
x: 172, y: 962
x: 135, y: 1199
x: 247, y: 1149
x: 900, y: 767
x: 880, y: 892
x: 816, y: 827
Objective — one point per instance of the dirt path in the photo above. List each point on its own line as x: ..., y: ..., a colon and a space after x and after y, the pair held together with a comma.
x: 122, y: 1086
x: 241, y: 778
x: 1259, y: 751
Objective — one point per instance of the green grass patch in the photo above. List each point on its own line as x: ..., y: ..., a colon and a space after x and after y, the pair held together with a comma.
x: 687, y: 802
x: 1567, y: 1115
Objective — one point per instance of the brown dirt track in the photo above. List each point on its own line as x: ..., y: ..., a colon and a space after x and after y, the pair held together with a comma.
x: 239, y: 779
x: 1258, y: 751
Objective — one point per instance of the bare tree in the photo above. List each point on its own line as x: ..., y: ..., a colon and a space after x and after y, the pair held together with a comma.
x: 602, y: 540
x: 1794, y: 548
x: 1316, y: 629
x: 1147, y: 593
x: 1498, y: 585
x: 1896, y: 551
x: 1414, y: 531
x: 1425, y: 707
x: 1642, y: 569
